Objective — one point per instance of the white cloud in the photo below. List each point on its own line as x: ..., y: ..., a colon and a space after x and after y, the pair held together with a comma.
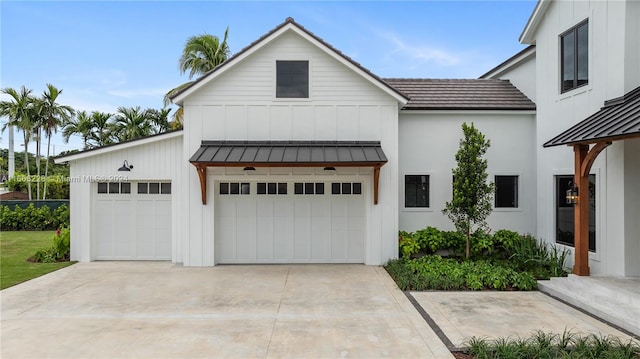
x: 424, y: 53
x: 132, y: 93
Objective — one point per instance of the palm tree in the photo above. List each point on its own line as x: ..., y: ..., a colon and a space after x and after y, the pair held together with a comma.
x: 20, y: 111
x: 77, y: 125
x: 159, y: 119
x: 52, y: 115
x: 130, y: 123
x: 201, y: 54
x: 101, y: 128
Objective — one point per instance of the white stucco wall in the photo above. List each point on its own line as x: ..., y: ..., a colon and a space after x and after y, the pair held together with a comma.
x: 613, y: 70
x: 522, y: 75
x: 428, y: 144
x: 240, y: 104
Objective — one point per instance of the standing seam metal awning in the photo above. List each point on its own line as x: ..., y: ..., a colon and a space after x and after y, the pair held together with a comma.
x: 288, y: 154
x: 617, y: 120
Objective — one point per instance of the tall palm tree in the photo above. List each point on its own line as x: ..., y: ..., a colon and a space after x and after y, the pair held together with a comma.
x: 52, y: 115
x: 130, y: 123
x: 201, y: 54
x: 80, y: 124
x: 20, y: 111
x: 101, y: 128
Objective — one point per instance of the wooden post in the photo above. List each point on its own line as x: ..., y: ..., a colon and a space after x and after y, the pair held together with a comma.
x: 376, y: 179
x: 581, y: 213
x: 202, y: 175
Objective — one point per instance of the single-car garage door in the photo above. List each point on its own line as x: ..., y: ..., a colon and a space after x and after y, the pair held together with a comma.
x: 132, y: 220
x: 289, y: 222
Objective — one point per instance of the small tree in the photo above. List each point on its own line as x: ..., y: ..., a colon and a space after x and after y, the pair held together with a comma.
x: 472, y: 194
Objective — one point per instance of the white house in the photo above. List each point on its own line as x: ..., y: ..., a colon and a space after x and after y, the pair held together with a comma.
x: 293, y: 153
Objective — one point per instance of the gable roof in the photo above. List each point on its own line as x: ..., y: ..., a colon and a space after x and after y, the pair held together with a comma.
x: 288, y: 25
x: 118, y: 146
x: 461, y: 94
x: 527, y: 36
x: 618, y: 119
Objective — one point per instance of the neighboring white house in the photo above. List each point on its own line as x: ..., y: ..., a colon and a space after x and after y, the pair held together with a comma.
x: 293, y: 153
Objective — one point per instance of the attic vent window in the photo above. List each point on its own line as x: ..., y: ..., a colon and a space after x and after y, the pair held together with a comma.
x: 292, y: 79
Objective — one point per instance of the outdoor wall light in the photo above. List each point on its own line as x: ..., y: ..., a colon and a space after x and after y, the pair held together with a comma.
x: 572, y: 194
x: 249, y: 169
x: 125, y: 166
x: 329, y: 168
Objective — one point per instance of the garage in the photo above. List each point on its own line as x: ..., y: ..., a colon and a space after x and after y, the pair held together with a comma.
x: 290, y: 222
x: 132, y: 220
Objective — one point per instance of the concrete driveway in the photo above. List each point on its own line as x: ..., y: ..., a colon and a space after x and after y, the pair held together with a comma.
x: 160, y: 310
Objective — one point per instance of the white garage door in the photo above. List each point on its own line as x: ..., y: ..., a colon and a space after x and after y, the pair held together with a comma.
x: 290, y: 222
x: 132, y: 221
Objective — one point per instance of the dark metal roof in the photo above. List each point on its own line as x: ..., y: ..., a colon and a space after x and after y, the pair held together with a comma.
x: 461, y: 94
x: 289, y: 153
x: 288, y: 20
x: 618, y: 119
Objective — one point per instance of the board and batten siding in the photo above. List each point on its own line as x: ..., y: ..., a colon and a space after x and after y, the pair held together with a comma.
x: 158, y: 160
x: 429, y: 143
x: 614, y: 58
x: 240, y: 104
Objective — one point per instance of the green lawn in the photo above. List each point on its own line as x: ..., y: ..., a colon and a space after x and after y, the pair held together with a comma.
x: 16, y: 248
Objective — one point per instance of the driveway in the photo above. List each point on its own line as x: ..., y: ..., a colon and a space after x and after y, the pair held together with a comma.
x: 157, y: 309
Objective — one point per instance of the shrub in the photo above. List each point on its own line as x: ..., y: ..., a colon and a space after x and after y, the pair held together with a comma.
x: 60, y: 249
x: 437, y: 273
x: 33, y: 219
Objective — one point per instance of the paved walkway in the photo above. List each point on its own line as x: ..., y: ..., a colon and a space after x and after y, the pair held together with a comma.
x: 462, y: 315
x: 158, y: 310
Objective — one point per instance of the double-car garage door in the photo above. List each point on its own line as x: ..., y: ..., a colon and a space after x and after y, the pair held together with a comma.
x: 289, y: 222
x: 132, y: 220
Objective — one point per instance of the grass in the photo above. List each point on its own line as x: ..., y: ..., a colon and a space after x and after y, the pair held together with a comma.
x: 16, y: 248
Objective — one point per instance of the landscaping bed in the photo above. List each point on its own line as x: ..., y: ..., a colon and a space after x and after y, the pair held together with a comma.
x: 434, y: 260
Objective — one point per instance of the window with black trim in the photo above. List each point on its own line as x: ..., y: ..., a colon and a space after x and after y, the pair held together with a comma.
x: 234, y: 188
x: 346, y: 188
x: 114, y: 187
x: 574, y: 53
x: 506, y: 192
x: 271, y: 188
x: 154, y: 188
x: 416, y: 191
x: 292, y: 79
x: 308, y: 188
x: 564, y: 212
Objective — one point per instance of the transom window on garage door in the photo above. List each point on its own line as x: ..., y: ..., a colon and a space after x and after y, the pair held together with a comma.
x: 271, y: 188
x: 308, y: 188
x: 114, y: 187
x: 235, y: 188
x: 346, y: 188
x: 154, y: 188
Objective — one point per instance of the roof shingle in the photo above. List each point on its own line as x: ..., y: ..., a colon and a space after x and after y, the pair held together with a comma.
x: 461, y: 94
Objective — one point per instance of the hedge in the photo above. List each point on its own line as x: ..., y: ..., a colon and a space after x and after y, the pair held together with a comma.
x: 32, y: 218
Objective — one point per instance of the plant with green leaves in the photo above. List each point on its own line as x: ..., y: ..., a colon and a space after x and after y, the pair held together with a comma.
x: 472, y: 193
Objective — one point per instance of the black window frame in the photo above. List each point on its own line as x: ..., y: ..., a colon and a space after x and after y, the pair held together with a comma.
x: 565, y: 236
x: 579, y: 64
x: 506, y: 197
x: 411, y: 201
x: 288, y: 72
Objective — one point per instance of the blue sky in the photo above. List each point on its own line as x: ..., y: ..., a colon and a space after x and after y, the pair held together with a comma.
x: 125, y: 53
